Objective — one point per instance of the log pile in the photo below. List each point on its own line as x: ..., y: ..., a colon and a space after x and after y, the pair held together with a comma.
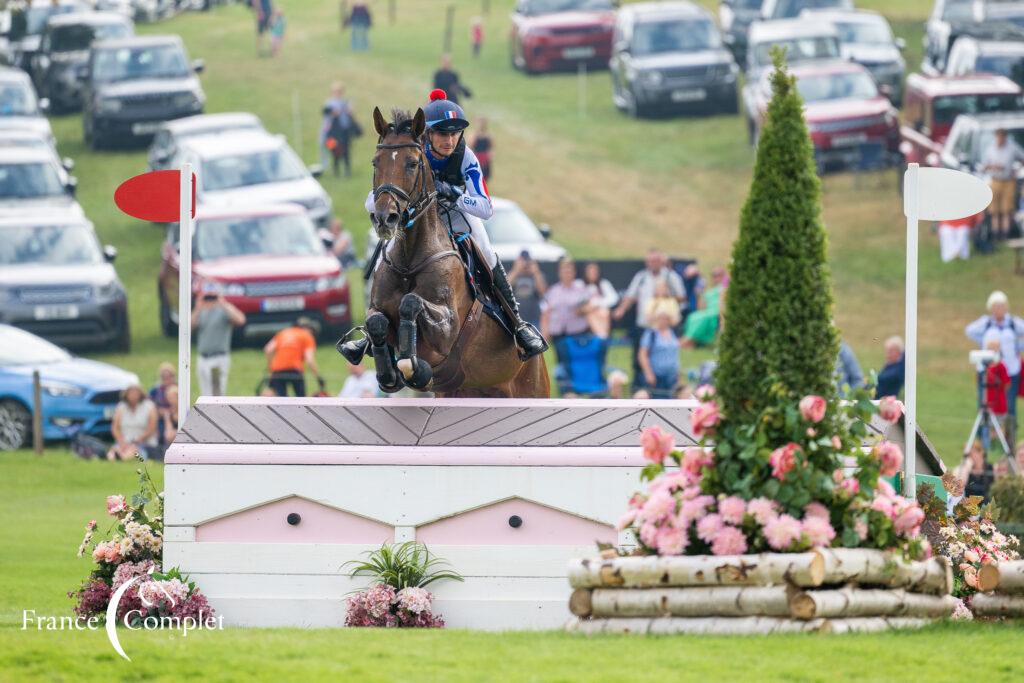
x: 1003, y: 584
x: 824, y: 590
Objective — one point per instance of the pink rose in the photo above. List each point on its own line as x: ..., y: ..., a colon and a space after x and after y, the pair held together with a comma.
x: 782, y: 531
x: 705, y: 392
x: 890, y: 456
x: 971, y: 556
x: 812, y: 408
x: 649, y: 535
x: 671, y: 541
x: 837, y: 443
x: 671, y: 481
x: 704, y: 418
x: 837, y: 476
x: 861, y: 529
x: 732, y: 509
x: 816, y: 509
x: 708, y: 527
x: 850, y: 485
x: 762, y: 509
x: 694, y: 459
x: 811, y: 432
x: 818, y: 531
x: 693, y: 509
x: 909, y: 521
x: 783, y: 459
x: 883, y: 505
x: 658, y: 506
x: 729, y: 541
x: 657, y: 444
x: 107, y: 552
x: 637, y: 501
x: 885, y: 489
x: 116, y: 504
x: 889, y: 408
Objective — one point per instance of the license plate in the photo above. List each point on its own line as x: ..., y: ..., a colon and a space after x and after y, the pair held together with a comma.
x: 689, y: 95
x: 289, y: 303
x: 849, y: 140
x: 68, y: 312
x: 147, y: 128
x: 578, y: 52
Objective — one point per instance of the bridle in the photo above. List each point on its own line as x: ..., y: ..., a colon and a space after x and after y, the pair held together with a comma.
x: 413, y: 209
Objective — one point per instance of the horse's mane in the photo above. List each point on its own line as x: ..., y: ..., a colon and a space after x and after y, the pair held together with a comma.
x: 401, y: 122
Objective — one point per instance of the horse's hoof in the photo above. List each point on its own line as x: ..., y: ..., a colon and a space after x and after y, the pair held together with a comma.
x: 405, y: 367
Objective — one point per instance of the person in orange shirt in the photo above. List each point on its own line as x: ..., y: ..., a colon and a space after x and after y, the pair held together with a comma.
x: 288, y: 353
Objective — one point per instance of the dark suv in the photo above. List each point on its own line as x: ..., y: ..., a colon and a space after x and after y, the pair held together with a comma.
x: 670, y: 56
x: 64, y: 49
x: 133, y: 85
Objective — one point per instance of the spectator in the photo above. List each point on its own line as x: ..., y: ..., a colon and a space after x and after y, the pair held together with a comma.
x: 975, y: 472
x: 693, y: 286
x: 1011, y: 332
x: 166, y: 378
x: 168, y: 417
x: 890, y: 379
x: 342, y: 245
x: 663, y: 302
x: 448, y: 80
x: 476, y: 38
x: 288, y: 354
x: 483, y: 147
x: 642, y: 395
x: 529, y: 286
x: 336, y: 102
x: 562, y: 314
x: 848, y: 373
x: 602, y: 298
x: 360, y: 383
x: 359, y: 20
x: 341, y: 130
x: 213, y: 320
x: 702, y: 325
x: 618, y: 384
x: 659, y: 355
x: 277, y: 26
x: 955, y: 237
x: 134, y: 425
x: 639, y: 292
x: 998, y: 161
x: 996, y: 382
x: 264, y: 10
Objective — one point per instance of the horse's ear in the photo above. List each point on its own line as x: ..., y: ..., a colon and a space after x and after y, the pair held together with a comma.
x: 380, y: 124
x: 419, y: 124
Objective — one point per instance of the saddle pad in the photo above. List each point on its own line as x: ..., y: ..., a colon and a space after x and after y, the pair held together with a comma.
x: 480, y: 282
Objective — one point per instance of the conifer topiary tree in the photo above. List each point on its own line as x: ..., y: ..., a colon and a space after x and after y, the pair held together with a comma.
x: 778, y: 313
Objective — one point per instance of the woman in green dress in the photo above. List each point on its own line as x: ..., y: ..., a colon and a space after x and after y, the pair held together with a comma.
x: 702, y: 325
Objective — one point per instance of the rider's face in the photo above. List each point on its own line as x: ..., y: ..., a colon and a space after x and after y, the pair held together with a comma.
x: 443, y: 142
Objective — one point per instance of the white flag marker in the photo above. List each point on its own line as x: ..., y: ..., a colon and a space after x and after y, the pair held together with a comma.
x: 931, y: 194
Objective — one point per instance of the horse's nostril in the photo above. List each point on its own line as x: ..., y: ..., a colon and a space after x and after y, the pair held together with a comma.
x: 392, y: 219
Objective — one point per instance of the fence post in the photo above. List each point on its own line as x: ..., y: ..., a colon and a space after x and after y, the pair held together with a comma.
x: 37, y: 413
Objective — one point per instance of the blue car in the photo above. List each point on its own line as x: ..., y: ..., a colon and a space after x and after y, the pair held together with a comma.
x: 78, y: 395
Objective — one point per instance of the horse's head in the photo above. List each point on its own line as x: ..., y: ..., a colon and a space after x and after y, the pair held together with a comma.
x: 403, y: 185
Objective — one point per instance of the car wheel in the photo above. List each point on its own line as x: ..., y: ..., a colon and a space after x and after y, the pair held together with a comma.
x: 731, y: 106
x: 167, y: 326
x: 92, y: 138
x: 15, y: 425
x: 633, y: 107
x: 123, y: 343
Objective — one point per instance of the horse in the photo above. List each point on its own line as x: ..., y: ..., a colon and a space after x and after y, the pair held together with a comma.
x: 420, y: 302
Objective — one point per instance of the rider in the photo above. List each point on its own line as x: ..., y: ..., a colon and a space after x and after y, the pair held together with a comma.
x: 461, y: 191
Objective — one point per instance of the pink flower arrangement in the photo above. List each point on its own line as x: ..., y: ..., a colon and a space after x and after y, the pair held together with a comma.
x: 704, y: 418
x: 889, y: 456
x: 694, y: 459
x: 729, y: 541
x: 818, y: 531
x: 732, y: 509
x: 816, y: 509
x: 783, y: 459
x: 382, y: 606
x: 708, y: 527
x: 762, y: 510
x: 116, y: 504
x: 850, y: 486
x: 889, y: 408
x: 108, y: 552
x: 908, y: 522
x: 671, y: 540
x: 812, y: 408
x: 657, y: 444
x: 705, y: 392
x: 782, y: 532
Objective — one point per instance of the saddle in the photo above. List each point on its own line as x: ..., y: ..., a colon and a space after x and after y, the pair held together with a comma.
x: 481, y: 283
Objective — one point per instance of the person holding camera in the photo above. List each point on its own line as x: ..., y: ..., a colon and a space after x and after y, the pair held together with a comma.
x: 213, y: 321
x: 1010, y: 332
x: 529, y: 286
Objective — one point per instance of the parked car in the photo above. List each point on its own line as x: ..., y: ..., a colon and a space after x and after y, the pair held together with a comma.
x: 132, y: 85
x: 28, y: 22
x: 803, y: 39
x: 125, y: 8
x: 851, y: 123
x: 267, y: 260
x: 512, y: 231
x: 735, y: 18
x: 56, y: 281
x: 670, y: 56
x: 971, y: 55
x: 171, y: 134
x: 549, y: 35
x: 78, y: 395
x: 951, y: 19
x: 64, y: 49
x: 789, y: 9
x: 34, y: 179
x: 866, y: 38
x: 20, y: 109
x: 973, y: 134
x: 932, y: 104
x: 26, y: 139
x: 244, y: 167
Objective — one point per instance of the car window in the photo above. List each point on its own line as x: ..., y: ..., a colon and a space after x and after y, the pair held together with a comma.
x: 16, y: 99
x: 37, y: 15
x: 29, y: 181
x: 535, y: 7
x: 946, y: 109
x: 49, y: 245
x: 864, y: 32
x: 839, y: 86
x: 80, y: 36
x: 651, y: 37
x: 1011, y: 66
x: 241, y: 170
x: 958, y: 10
x: 512, y: 225
x: 291, y: 235
x: 127, y: 63
x: 18, y: 347
x: 799, y: 49
x: 787, y: 9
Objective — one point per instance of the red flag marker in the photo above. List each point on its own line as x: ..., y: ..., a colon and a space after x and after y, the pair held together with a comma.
x: 153, y: 196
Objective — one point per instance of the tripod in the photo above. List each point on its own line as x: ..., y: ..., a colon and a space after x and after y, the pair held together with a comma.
x: 986, y: 417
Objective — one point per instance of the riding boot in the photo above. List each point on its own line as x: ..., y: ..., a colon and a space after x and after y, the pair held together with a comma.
x: 528, y: 337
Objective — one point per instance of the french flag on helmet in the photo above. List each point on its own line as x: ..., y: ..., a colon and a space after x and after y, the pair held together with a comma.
x: 443, y: 114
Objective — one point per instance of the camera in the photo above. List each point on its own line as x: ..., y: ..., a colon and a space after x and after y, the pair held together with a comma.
x: 983, y: 357
x: 210, y: 296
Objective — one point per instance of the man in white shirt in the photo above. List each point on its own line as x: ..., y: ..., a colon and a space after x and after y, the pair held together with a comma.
x: 999, y: 161
x: 359, y: 383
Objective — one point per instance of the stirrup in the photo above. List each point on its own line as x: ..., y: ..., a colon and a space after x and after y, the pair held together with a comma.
x: 353, y: 350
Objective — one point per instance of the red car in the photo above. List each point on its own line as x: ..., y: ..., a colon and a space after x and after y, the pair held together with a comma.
x: 932, y: 104
x: 551, y: 35
x: 268, y: 261
x: 852, y: 123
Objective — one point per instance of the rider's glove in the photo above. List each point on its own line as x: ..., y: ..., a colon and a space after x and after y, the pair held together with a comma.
x: 447, y: 191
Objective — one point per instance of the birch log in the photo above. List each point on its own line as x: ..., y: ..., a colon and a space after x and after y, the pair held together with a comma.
x: 854, y: 602
x: 865, y: 566
x: 739, y: 625
x: 985, y: 605
x: 1008, y: 577
x: 698, y: 601
x: 801, y: 569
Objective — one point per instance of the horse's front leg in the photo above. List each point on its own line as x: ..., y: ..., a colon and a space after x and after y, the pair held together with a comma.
x: 388, y: 377
x: 415, y: 371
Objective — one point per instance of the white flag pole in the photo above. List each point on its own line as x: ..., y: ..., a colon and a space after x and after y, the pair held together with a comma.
x: 184, y: 292
x: 911, y: 207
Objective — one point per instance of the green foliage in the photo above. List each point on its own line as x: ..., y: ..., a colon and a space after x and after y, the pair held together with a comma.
x: 403, y: 565
x: 1008, y: 495
x: 779, y: 306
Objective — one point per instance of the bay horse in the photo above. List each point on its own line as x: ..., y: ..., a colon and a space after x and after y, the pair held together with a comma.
x: 445, y: 342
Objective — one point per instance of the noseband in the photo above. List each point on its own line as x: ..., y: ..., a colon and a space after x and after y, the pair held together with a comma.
x: 413, y: 208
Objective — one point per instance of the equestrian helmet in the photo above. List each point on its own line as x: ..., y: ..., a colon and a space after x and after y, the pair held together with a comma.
x: 443, y: 114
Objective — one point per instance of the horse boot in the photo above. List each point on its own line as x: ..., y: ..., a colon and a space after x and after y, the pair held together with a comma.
x: 388, y: 377
x: 353, y: 350
x: 529, y: 339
